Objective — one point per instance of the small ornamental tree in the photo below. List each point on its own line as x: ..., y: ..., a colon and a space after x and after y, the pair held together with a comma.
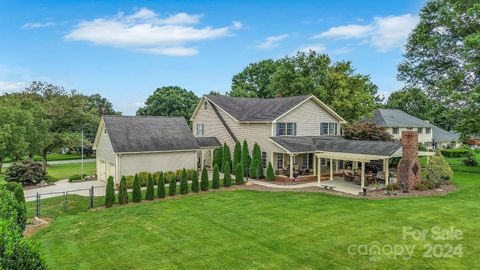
x: 239, y: 174
x: 227, y: 178
x: 172, y: 187
x: 195, y: 183
x: 237, y: 154
x: 150, y: 193
x: 136, y: 192
x: 216, y: 178
x: 161, y: 186
x: 245, y: 156
x: 122, y: 191
x: 218, y: 157
x: 184, y: 182
x: 204, y: 180
x: 366, y: 132
x: 110, y: 193
x: 226, y: 157
x: 438, y: 172
x: 270, y: 172
x: 26, y: 172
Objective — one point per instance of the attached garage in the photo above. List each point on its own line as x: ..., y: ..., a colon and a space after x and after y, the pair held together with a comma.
x: 126, y: 145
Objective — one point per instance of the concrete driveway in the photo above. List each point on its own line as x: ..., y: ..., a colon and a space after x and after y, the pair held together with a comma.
x: 62, y: 186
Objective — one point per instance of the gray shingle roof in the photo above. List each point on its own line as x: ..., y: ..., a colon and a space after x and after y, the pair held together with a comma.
x: 395, y: 118
x: 441, y: 135
x: 255, y: 109
x: 297, y: 144
x: 208, y: 141
x: 149, y: 133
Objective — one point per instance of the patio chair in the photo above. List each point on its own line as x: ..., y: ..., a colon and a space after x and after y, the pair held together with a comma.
x: 347, y: 177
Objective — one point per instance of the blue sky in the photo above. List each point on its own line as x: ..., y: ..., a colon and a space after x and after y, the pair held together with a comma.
x: 125, y: 49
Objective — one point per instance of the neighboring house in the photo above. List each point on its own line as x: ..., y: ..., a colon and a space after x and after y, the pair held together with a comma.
x: 126, y: 145
x: 294, y: 133
x: 474, y: 142
x: 396, y: 121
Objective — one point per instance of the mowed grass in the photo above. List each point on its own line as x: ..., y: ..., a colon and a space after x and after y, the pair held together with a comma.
x: 263, y: 230
x: 56, y: 157
x: 64, y: 171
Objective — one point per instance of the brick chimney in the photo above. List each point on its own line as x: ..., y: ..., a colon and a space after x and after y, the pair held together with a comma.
x: 409, y: 169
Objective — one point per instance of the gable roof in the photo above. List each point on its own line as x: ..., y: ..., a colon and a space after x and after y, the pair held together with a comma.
x: 441, y: 135
x: 260, y: 109
x: 395, y: 118
x: 149, y: 134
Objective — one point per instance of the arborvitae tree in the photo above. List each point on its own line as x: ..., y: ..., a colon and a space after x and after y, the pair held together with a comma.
x: 237, y: 154
x: 252, y: 169
x: 184, y: 182
x: 122, y: 191
x: 150, y: 193
x: 257, y: 161
x: 226, y: 158
x: 137, y: 191
x: 227, y: 178
x: 245, y: 158
x: 195, y: 184
x: 161, y: 186
x: 270, y: 172
x: 172, y: 187
x: 216, y: 178
x: 218, y: 157
x: 239, y: 174
x: 204, y: 180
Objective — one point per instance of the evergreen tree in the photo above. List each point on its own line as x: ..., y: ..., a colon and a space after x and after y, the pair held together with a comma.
x: 245, y: 156
x: 161, y: 186
x: 137, y: 191
x: 195, y: 184
x: 226, y: 157
x: 172, y: 187
x: 227, y: 178
x: 237, y: 154
x: 150, y: 193
x: 216, y: 178
x: 257, y: 161
x: 184, y: 182
x: 239, y: 174
x: 204, y: 180
x: 218, y: 157
x: 252, y: 169
x: 270, y: 172
x: 122, y: 191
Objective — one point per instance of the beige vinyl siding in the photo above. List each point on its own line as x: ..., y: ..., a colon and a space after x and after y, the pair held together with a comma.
x: 308, y: 117
x: 104, y: 149
x: 131, y: 164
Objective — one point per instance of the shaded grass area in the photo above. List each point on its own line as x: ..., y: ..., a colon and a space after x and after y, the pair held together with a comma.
x: 64, y: 171
x: 263, y: 230
x: 56, y: 157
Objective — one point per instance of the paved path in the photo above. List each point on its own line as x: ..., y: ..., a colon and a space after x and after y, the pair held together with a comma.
x: 65, y: 185
x: 271, y: 185
x: 56, y: 162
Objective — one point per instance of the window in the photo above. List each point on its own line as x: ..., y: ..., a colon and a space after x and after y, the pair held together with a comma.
x: 200, y: 129
x: 328, y: 128
x: 279, y: 161
x: 410, y: 128
x: 264, y: 159
x: 205, y: 105
x: 323, y: 161
x: 289, y: 129
x: 420, y: 130
x: 428, y: 130
x: 395, y: 130
x: 307, y: 161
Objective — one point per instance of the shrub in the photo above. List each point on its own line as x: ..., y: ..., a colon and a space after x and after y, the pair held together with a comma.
x: 172, y: 187
x: 204, y: 180
x: 76, y: 177
x: 393, y: 186
x: 237, y: 154
x: 167, y: 176
x: 239, y: 174
x: 226, y: 158
x: 438, y: 172
x: 12, y: 204
x: 137, y: 191
x: 245, y: 157
x: 366, y: 132
x: 110, y: 192
x: 122, y: 191
x: 16, y: 252
x: 227, y: 178
x: 421, y: 186
x: 184, y: 183
x: 470, y: 159
x: 150, y: 193
x: 218, y: 157
x: 143, y: 176
x: 455, y: 153
x: 270, y: 172
x: 216, y: 178
x: 421, y: 147
x: 256, y: 164
x: 26, y: 171
x: 161, y: 185
x: 195, y: 184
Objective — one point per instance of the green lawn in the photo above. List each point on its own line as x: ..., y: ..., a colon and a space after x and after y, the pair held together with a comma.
x: 63, y: 171
x: 263, y: 230
x: 457, y: 164
x: 56, y: 157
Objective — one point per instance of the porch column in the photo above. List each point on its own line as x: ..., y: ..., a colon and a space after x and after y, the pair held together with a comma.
x: 354, y: 165
x: 201, y: 159
x: 362, y: 183
x: 291, y: 166
x: 314, y: 165
x: 386, y: 169
x: 331, y: 169
x: 319, y: 170
x: 211, y: 159
x: 337, y: 163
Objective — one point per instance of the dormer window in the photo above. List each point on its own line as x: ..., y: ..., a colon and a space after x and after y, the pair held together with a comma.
x: 205, y: 105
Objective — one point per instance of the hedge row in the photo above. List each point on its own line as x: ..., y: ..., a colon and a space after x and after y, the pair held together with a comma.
x: 455, y: 153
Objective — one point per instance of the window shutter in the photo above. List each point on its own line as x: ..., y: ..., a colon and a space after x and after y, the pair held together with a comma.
x: 295, y: 129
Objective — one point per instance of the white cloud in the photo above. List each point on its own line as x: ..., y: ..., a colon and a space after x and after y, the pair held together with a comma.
x: 32, y: 25
x: 384, y: 33
x: 315, y: 47
x: 11, y: 86
x: 272, y: 41
x: 145, y: 31
x: 237, y: 25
